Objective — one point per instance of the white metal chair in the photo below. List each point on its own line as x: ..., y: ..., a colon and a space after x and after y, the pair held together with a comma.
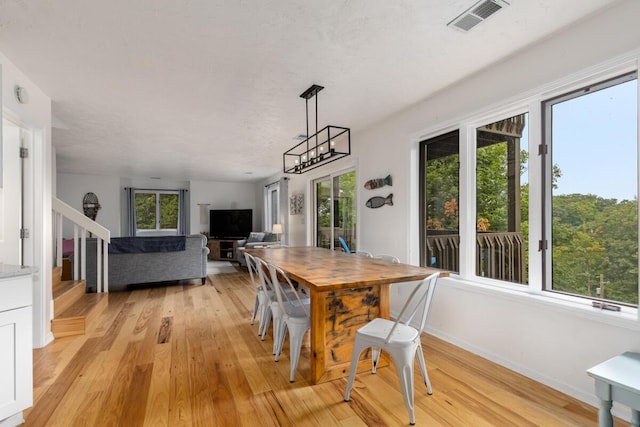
x: 261, y: 306
x: 400, y: 340
x: 295, y: 317
x: 365, y: 254
x: 273, y: 311
x: 390, y: 258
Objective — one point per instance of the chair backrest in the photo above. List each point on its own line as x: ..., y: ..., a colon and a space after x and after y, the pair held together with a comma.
x: 420, y: 297
x: 253, y: 269
x: 390, y: 258
x: 344, y: 245
x: 285, y: 299
x: 262, y: 270
x: 365, y: 254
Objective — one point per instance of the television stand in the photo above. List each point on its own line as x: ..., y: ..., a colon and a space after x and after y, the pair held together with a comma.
x: 222, y: 249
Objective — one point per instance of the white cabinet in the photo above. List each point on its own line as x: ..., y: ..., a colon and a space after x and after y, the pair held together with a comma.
x: 16, y: 359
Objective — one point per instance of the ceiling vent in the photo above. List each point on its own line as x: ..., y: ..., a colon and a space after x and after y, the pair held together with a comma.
x: 476, y: 14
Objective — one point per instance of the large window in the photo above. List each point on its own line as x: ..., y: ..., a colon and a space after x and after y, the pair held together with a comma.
x: 335, y: 203
x: 565, y: 225
x: 440, y: 168
x: 502, y: 195
x: 157, y: 212
x: 272, y: 205
x: 591, y: 190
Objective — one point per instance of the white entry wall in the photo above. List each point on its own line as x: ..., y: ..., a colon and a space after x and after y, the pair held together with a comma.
x: 35, y: 115
x: 10, y: 195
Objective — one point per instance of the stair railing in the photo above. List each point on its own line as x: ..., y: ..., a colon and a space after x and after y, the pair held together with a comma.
x: 81, y: 226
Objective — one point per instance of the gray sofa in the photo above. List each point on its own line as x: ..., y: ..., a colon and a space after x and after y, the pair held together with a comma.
x: 256, y: 238
x: 159, y: 264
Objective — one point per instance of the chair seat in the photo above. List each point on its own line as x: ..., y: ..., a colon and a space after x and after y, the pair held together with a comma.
x: 296, y: 310
x: 295, y: 316
x: 378, y: 329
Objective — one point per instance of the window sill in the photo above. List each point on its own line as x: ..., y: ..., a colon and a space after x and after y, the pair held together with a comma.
x: 626, y: 318
x: 164, y: 232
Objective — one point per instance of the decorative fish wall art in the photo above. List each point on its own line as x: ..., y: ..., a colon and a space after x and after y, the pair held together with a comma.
x: 372, y: 184
x: 377, y: 201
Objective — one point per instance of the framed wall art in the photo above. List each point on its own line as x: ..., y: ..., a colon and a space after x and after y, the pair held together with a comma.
x: 296, y: 204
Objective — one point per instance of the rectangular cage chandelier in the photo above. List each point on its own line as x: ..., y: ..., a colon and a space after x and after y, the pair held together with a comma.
x: 324, y: 146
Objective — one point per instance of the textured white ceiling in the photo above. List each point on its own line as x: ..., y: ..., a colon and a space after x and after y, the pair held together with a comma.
x: 209, y: 89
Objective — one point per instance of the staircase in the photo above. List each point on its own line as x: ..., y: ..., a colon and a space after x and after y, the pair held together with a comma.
x: 73, y: 309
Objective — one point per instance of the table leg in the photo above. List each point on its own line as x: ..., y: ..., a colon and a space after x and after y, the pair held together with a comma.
x: 335, y: 317
x: 635, y: 418
x: 317, y: 333
x: 604, y: 415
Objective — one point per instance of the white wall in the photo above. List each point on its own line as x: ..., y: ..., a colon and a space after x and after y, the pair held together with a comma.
x: 35, y: 115
x: 297, y: 233
x: 548, y: 342
x: 224, y: 195
x: 71, y: 189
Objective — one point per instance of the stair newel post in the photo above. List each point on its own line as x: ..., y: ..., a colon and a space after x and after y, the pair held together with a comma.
x: 105, y: 272
x: 83, y: 254
x: 76, y: 264
x: 98, y: 265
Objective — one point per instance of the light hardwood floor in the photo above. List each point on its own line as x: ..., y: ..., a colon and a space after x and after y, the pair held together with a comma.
x: 186, y: 355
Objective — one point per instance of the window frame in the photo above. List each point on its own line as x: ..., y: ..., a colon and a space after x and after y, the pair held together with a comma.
x: 314, y: 219
x: 158, y: 231
x: 529, y: 102
x: 473, y: 147
x: 269, y: 217
x: 546, y: 241
x: 423, y: 214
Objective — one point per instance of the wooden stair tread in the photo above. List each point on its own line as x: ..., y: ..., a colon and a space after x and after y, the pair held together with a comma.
x: 66, y: 294
x: 74, y: 319
x: 84, y: 305
x: 65, y: 286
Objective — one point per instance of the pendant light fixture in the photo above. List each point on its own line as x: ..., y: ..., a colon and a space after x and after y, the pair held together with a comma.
x: 325, y: 146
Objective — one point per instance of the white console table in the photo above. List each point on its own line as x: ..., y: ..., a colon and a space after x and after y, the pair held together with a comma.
x: 16, y: 344
x: 618, y: 379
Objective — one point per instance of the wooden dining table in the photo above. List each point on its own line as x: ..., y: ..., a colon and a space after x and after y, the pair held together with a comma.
x: 347, y: 291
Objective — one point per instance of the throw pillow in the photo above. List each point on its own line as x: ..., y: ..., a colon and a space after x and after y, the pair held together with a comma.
x: 270, y: 237
x: 255, y: 236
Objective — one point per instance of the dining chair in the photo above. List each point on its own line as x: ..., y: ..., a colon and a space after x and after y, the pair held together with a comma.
x: 344, y: 245
x: 391, y: 258
x: 261, y: 305
x: 273, y: 310
x: 295, y: 317
x: 400, y: 340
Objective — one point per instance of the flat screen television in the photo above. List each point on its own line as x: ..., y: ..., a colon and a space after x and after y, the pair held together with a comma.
x: 230, y: 223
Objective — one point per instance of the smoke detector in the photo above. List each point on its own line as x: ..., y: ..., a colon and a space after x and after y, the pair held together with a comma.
x: 476, y: 14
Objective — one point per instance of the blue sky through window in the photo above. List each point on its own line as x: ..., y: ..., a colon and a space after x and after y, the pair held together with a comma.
x: 595, y: 143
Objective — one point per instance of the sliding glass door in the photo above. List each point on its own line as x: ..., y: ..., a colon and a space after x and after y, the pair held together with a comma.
x: 335, y: 208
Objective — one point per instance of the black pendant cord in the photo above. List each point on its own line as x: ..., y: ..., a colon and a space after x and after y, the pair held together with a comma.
x: 306, y: 104
x: 317, y: 125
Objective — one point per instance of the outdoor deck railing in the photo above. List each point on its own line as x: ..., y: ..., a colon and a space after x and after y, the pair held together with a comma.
x: 498, y: 255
